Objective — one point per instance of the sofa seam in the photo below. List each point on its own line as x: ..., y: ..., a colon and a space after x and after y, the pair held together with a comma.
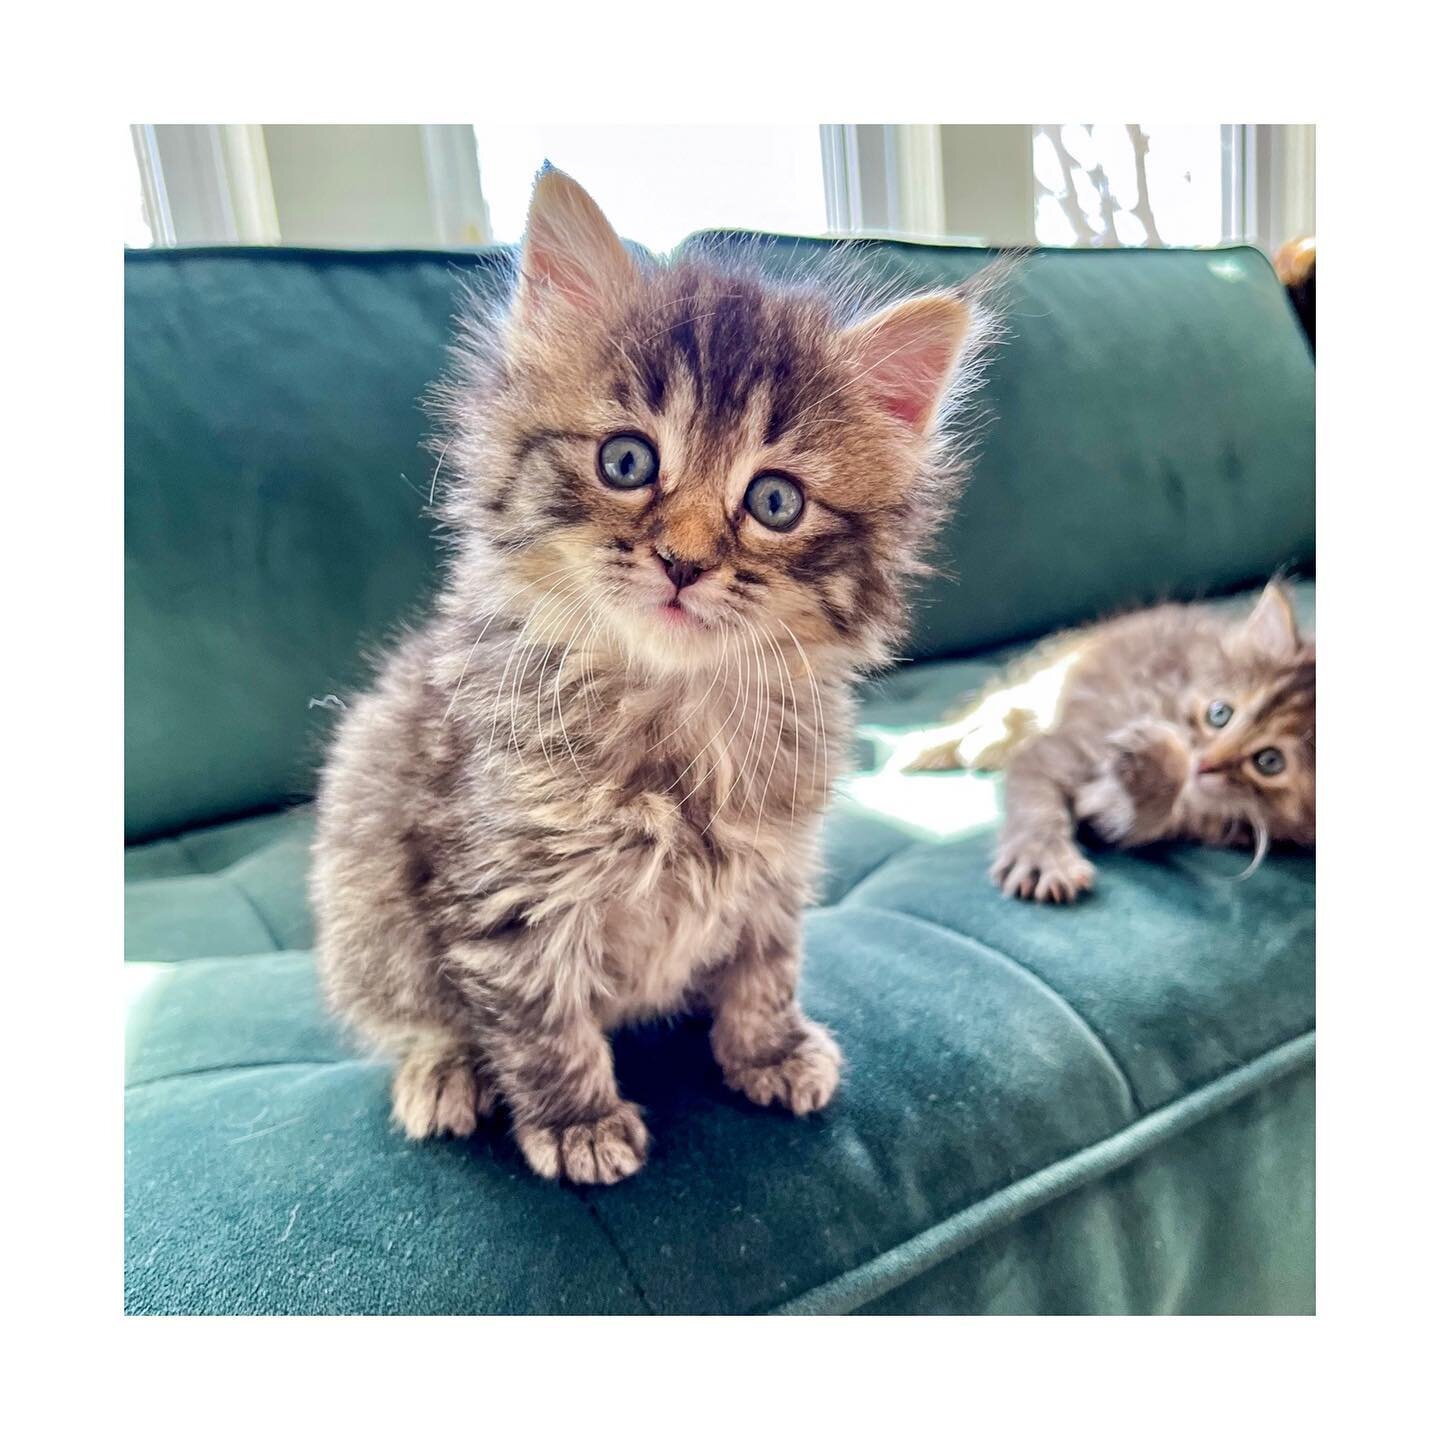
x: 239, y: 1069
x: 620, y: 1255
x: 1137, y: 1109
x: 874, y: 870
x: 275, y: 946
x: 995, y: 1212
x: 181, y: 844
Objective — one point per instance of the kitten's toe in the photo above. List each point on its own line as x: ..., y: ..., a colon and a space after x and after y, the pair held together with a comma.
x: 440, y: 1092
x: 802, y: 1080
x: 1047, y: 873
x: 591, y: 1152
x: 1065, y: 883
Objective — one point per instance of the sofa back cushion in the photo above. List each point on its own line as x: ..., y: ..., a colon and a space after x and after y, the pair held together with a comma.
x: 275, y: 492
x: 1146, y: 428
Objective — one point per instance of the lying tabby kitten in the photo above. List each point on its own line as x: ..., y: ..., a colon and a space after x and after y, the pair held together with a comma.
x: 1167, y: 724
x: 681, y: 501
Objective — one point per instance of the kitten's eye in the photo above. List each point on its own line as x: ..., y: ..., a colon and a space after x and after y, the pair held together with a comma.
x: 1269, y: 761
x: 775, y: 501
x: 628, y: 461
x: 1219, y: 714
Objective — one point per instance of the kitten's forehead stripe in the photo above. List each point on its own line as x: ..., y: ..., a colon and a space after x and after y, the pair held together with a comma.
x: 734, y: 347
x: 1291, y: 700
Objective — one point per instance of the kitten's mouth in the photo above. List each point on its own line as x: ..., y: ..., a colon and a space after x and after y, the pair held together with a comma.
x: 673, y: 613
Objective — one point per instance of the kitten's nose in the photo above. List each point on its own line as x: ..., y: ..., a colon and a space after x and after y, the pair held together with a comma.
x: 681, y: 572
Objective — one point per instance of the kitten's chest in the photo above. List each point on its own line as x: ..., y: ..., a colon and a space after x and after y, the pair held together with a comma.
x: 660, y: 944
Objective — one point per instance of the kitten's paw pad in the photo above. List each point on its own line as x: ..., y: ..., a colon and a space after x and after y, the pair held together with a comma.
x: 1052, y: 873
x: 439, y: 1093
x: 592, y: 1152
x: 802, y: 1081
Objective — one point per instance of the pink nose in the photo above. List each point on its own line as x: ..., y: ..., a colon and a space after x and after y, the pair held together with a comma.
x: 1208, y: 767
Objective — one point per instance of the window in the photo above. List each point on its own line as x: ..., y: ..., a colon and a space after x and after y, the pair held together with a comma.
x: 463, y: 185
x: 697, y: 177
x: 1130, y: 185
x: 138, y: 232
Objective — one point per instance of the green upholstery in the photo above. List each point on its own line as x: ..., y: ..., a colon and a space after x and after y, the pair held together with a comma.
x: 1147, y: 431
x: 1104, y: 1109
x: 271, y: 439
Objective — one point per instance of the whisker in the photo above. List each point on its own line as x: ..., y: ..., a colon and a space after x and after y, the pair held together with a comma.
x: 577, y: 602
x: 779, y: 736
x: 567, y: 603
x: 819, y: 711
x: 515, y: 645
x: 1261, y: 835
x: 465, y: 668
x: 741, y: 768
x: 724, y: 655
x: 436, y: 476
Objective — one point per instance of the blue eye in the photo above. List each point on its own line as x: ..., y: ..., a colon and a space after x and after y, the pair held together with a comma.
x: 1269, y: 761
x: 628, y: 461
x: 775, y: 501
x: 1219, y: 714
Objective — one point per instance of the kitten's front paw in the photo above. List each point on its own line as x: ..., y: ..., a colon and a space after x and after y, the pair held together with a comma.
x: 439, y: 1092
x: 1152, y: 762
x: 591, y: 1152
x: 1051, y: 871
x: 802, y: 1080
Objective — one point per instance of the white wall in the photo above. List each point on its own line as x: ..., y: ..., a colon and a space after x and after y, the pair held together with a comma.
x: 989, y: 182
x: 351, y: 184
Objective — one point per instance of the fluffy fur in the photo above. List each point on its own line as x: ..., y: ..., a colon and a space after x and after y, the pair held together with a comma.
x: 581, y: 794
x: 1114, y: 729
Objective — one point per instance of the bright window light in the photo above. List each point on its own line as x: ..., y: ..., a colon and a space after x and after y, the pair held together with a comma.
x: 1129, y: 185
x: 660, y: 183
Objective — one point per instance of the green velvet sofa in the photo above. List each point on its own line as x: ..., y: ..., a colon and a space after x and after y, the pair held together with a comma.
x: 1108, y: 1108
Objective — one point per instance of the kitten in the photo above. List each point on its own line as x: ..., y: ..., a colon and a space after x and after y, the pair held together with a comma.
x: 681, y: 502
x: 1168, y: 724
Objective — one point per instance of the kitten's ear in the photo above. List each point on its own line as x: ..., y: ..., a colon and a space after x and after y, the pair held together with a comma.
x: 907, y: 353
x: 571, y: 252
x: 1271, y: 628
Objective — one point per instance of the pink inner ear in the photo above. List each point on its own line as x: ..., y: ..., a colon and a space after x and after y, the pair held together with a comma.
x: 571, y: 252
x: 908, y: 383
x: 553, y: 268
x: 906, y: 354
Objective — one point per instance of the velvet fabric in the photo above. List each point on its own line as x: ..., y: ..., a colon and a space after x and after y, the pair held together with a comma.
x: 1146, y: 431
x: 1108, y: 1108
x: 1104, y: 1108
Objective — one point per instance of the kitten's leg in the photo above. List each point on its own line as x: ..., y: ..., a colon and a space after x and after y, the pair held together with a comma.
x: 558, y: 1077
x: 937, y: 749
x: 979, y: 740
x: 1133, y: 800
x: 1037, y: 857
x: 766, y: 1047
x: 441, y: 1088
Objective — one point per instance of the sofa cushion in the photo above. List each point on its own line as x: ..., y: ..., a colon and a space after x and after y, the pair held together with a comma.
x: 1146, y: 431
x: 1108, y: 1107
x: 275, y: 505
x: 1147, y: 426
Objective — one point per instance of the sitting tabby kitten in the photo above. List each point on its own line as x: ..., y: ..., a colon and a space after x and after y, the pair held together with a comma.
x: 1168, y: 724
x: 681, y: 502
